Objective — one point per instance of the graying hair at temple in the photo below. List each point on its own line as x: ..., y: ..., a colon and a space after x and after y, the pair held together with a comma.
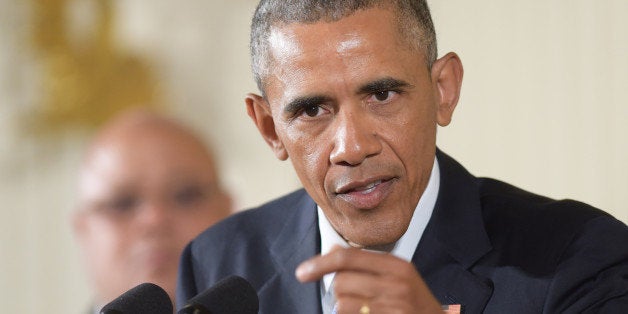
x: 413, y: 18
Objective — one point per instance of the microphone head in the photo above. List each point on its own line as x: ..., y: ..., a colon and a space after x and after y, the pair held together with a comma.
x: 142, y: 299
x: 233, y: 295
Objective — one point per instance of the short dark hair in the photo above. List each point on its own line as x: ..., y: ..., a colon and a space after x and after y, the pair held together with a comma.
x: 413, y: 17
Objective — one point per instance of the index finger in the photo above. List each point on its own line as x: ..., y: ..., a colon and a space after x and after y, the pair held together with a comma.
x: 350, y: 259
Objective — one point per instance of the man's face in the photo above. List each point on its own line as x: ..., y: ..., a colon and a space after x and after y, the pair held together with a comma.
x: 354, y: 107
x: 146, y: 195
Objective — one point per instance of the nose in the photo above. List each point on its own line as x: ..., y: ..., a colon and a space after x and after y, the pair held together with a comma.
x: 154, y: 216
x: 355, y: 138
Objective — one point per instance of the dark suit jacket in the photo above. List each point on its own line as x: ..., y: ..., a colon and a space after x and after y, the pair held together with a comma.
x: 489, y: 246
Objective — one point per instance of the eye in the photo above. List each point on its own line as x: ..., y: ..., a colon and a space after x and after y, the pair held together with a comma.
x: 121, y: 204
x: 312, y: 111
x: 383, y: 96
x: 189, y: 195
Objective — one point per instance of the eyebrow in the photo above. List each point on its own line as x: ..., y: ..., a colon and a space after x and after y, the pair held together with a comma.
x: 303, y: 102
x: 383, y: 84
x: 387, y: 83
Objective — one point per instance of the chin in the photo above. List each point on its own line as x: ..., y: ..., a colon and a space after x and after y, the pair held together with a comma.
x: 164, y: 277
x: 374, y: 238
x: 377, y: 232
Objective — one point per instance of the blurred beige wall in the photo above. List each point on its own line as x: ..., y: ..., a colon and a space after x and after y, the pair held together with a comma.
x: 544, y: 103
x: 543, y: 107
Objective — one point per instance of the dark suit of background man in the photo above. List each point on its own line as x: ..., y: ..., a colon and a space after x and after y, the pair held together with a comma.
x: 352, y: 93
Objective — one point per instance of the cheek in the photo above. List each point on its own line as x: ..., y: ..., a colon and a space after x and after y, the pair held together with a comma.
x: 419, y: 121
x: 309, y: 156
x: 191, y: 224
x: 412, y: 135
x: 106, y: 245
x: 314, y: 159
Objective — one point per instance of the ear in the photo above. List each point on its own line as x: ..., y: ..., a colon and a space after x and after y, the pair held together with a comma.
x: 259, y: 110
x: 447, y: 75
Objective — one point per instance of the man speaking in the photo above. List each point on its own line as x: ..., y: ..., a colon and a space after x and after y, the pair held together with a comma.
x: 353, y: 92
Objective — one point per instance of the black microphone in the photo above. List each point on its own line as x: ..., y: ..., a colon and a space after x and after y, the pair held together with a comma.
x: 232, y: 295
x: 146, y: 298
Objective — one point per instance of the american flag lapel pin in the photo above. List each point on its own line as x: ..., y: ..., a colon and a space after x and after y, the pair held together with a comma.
x: 452, y: 309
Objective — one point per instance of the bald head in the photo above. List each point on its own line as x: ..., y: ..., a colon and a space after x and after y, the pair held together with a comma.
x: 148, y: 186
x: 146, y: 143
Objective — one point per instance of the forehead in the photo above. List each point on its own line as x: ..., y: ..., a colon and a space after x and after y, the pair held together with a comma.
x: 366, y: 43
x: 362, y: 27
x: 147, y: 158
x: 145, y: 145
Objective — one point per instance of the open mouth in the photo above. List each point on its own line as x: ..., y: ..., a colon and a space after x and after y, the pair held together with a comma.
x: 369, y: 188
x: 366, y: 194
x: 362, y: 187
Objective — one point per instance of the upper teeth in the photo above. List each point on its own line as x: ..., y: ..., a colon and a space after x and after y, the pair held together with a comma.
x: 370, y: 186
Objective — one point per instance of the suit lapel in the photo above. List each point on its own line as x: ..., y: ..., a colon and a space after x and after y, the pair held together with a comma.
x: 454, y: 240
x: 297, y: 241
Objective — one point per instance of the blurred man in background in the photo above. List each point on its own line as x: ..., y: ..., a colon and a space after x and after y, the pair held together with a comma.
x: 147, y: 187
